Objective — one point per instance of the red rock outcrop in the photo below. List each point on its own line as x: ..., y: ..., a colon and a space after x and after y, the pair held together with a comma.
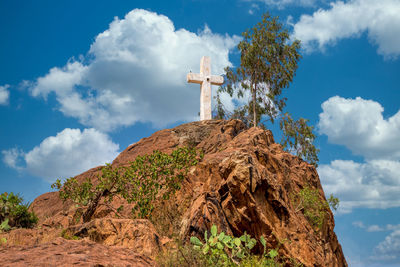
x: 244, y: 183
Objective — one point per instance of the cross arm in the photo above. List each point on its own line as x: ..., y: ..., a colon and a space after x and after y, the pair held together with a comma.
x: 194, y: 78
x: 217, y: 80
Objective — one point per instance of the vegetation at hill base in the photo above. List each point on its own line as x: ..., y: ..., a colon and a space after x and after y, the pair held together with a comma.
x: 14, y: 213
x: 219, y: 249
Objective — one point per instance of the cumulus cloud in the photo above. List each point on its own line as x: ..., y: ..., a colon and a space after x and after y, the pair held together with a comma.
x: 373, y: 184
x: 350, y: 19
x: 389, y: 249
x: 4, y: 94
x: 359, y: 125
x: 136, y: 72
x: 69, y: 153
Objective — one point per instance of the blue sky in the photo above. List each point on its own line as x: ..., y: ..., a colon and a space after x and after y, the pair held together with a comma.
x: 81, y: 80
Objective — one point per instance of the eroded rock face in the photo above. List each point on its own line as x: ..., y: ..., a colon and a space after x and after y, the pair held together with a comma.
x: 139, y: 234
x: 244, y: 183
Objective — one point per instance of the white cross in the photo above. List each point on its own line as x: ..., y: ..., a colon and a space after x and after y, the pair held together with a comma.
x: 205, y: 79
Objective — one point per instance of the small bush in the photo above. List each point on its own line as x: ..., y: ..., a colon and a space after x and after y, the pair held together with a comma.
x: 139, y: 183
x: 15, y: 214
x: 313, y: 207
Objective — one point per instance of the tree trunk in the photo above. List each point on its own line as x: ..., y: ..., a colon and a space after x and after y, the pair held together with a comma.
x: 92, y: 207
x: 93, y: 204
x: 254, y: 106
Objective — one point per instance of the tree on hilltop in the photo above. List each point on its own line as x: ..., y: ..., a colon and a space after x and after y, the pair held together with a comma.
x: 268, y: 64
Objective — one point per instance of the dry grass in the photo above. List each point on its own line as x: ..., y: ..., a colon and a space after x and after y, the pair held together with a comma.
x: 167, y: 216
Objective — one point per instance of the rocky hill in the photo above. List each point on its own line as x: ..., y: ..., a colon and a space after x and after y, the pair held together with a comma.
x: 245, y: 182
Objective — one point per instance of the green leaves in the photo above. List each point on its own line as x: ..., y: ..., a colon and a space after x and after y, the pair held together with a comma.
x: 237, y: 242
x: 214, y: 230
x: 195, y: 241
x: 13, y: 213
x: 333, y: 202
x: 268, y: 64
x: 159, y: 171
x: 272, y: 253
x: 263, y: 242
x: 313, y: 207
x: 138, y: 183
x: 4, y: 225
x: 224, y: 250
x: 298, y: 138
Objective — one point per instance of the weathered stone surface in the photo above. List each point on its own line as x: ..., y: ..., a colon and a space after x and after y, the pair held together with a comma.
x: 62, y: 252
x: 244, y: 183
x: 139, y: 234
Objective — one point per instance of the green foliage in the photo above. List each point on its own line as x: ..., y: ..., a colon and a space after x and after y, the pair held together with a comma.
x: 88, y: 195
x: 139, y: 183
x: 159, y: 171
x: 3, y: 240
x: 298, y: 138
x: 268, y: 64
x: 4, y: 226
x: 313, y: 207
x: 13, y: 213
x: 220, y: 249
x: 333, y: 202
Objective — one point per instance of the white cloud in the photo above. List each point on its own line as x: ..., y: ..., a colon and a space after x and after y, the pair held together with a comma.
x: 61, y: 81
x: 389, y: 249
x: 359, y: 224
x: 359, y: 125
x: 376, y: 228
x: 136, y: 73
x: 4, y: 94
x: 253, y: 8
x: 69, y: 153
x: 374, y: 184
x: 280, y: 4
x: 350, y: 19
x: 11, y: 156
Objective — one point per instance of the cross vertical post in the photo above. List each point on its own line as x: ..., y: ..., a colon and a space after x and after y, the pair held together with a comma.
x: 205, y: 79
